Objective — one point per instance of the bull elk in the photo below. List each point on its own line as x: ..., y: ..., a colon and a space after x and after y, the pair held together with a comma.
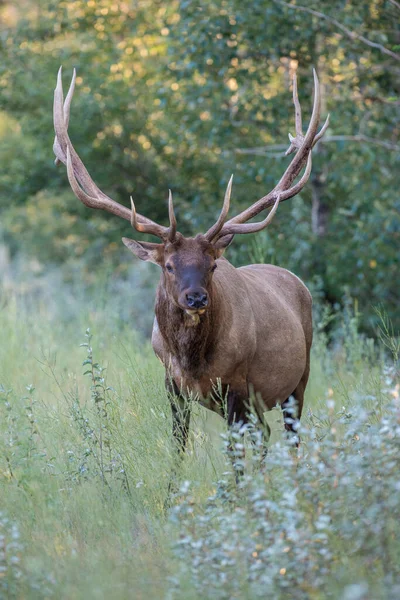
x: 249, y: 328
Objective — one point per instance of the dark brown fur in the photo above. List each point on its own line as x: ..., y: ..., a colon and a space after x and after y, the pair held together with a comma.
x: 192, y: 346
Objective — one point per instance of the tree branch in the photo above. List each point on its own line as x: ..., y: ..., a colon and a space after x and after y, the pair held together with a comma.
x: 382, y: 100
x: 359, y: 138
x: 396, y: 4
x: 353, y: 35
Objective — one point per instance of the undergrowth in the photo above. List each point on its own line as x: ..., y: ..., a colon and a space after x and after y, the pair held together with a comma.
x: 86, y: 456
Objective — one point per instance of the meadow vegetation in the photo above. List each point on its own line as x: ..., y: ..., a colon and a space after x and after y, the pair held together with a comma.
x: 86, y: 456
x: 179, y: 95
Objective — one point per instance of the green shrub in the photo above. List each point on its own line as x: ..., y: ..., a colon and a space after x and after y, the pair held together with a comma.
x: 318, y: 525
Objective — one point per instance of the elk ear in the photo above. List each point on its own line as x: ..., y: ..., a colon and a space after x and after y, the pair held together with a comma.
x: 221, y: 245
x: 145, y: 250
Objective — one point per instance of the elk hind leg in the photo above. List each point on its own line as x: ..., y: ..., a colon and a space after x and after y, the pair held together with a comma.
x: 291, y: 420
x: 292, y: 409
x: 239, y: 412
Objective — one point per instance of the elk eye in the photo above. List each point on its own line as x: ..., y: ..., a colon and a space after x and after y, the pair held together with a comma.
x: 213, y: 267
x: 169, y: 268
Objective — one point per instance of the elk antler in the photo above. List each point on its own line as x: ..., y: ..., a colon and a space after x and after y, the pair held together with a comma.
x: 284, y: 189
x: 165, y: 233
x: 82, y: 184
x: 216, y: 228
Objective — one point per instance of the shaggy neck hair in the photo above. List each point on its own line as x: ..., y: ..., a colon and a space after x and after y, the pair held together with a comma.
x: 190, y: 344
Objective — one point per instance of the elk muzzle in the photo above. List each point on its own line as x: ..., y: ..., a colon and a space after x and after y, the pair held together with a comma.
x: 196, y: 300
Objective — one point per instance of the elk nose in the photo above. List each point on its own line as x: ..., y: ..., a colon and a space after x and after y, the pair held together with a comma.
x: 197, y: 300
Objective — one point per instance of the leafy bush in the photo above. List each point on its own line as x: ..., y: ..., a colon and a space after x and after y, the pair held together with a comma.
x: 294, y: 528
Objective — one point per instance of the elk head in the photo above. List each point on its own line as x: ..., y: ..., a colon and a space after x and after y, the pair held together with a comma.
x: 188, y: 263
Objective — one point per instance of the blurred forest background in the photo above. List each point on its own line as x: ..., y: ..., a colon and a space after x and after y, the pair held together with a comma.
x: 181, y: 95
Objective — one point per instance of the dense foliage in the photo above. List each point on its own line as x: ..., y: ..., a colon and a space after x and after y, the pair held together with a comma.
x: 180, y: 95
x: 86, y: 457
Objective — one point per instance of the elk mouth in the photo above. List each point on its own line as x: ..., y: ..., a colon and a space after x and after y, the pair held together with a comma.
x: 193, y: 316
x: 195, y: 311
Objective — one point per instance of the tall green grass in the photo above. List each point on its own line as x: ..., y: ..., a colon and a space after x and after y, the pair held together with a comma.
x: 86, y: 456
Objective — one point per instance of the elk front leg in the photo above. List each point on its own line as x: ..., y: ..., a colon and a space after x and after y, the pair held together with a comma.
x: 180, y: 408
x: 237, y: 413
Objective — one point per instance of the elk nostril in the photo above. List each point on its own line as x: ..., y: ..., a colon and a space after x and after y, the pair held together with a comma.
x: 203, y: 300
x: 190, y: 300
x: 196, y: 300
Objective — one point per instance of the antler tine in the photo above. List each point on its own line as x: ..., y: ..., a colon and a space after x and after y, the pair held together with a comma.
x: 253, y: 227
x: 134, y: 221
x: 270, y: 200
x: 323, y: 129
x: 81, y: 183
x: 68, y: 99
x: 295, y: 189
x: 273, y: 200
x: 307, y: 143
x: 63, y: 141
x: 216, y: 228
x: 299, y: 124
x: 284, y: 189
x: 172, y: 219
x: 66, y: 109
x: 153, y: 228
x: 295, y: 142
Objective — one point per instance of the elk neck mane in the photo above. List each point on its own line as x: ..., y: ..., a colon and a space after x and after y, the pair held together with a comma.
x: 192, y: 345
